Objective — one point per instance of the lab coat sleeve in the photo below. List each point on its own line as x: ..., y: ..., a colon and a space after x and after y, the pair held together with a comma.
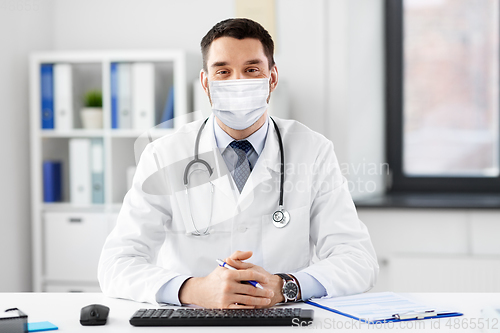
x: 127, y: 266
x: 347, y: 261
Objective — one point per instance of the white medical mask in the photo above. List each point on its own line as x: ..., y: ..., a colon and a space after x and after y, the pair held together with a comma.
x: 239, y: 103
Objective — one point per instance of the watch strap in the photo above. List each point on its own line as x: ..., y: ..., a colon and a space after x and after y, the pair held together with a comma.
x: 285, y: 277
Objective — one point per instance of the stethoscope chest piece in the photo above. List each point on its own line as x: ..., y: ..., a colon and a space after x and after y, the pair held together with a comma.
x: 281, y: 217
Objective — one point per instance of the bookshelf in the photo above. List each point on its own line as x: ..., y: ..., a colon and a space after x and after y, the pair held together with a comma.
x: 66, y: 237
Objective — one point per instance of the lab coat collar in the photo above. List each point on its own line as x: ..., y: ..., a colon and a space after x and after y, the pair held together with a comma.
x: 221, y: 177
x: 270, y: 155
x: 267, y: 165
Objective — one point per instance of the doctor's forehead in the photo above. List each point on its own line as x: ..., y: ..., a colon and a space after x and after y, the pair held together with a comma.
x: 229, y: 51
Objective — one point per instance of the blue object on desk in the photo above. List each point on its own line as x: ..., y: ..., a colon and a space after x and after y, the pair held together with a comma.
x: 42, y: 326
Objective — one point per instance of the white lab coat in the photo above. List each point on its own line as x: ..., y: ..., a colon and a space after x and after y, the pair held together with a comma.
x: 152, y: 242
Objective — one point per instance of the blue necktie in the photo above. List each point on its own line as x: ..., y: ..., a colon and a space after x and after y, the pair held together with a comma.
x: 242, y: 169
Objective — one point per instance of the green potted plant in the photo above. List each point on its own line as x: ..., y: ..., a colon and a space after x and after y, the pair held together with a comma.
x: 92, y: 112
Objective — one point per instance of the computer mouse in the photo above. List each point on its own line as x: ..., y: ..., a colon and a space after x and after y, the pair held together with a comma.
x: 94, y: 314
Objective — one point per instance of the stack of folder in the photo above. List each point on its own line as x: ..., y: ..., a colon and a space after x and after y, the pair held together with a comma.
x: 133, y: 97
x: 57, y: 96
x: 86, y: 158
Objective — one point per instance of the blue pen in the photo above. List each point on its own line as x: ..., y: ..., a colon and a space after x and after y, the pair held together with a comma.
x: 222, y: 263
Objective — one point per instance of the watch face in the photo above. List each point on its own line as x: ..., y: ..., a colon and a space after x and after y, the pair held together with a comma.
x: 291, y: 290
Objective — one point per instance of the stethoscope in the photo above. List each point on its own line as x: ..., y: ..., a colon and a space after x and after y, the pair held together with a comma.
x: 280, y: 218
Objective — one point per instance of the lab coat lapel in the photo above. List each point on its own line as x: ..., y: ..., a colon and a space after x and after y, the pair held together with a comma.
x: 221, y: 177
x: 267, y: 165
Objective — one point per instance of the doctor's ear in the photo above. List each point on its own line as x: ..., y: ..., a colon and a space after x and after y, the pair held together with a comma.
x: 273, y: 79
x: 204, y: 81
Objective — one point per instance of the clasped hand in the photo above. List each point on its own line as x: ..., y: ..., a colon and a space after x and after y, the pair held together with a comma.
x: 223, y: 288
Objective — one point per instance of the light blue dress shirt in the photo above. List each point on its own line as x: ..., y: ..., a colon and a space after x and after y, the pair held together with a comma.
x: 309, y: 286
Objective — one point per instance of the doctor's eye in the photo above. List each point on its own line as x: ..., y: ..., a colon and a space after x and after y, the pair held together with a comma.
x: 222, y: 72
x: 253, y: 70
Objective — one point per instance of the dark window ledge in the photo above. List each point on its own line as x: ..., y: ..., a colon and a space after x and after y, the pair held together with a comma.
x: 432, y: 200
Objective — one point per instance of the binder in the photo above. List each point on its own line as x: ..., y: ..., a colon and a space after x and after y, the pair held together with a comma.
x: 143, y: 102
x: 52, y: 181
x: 373, y: 308
x: 168, y: 112
x: 80, y: 180
x: 63, y: 97
x: 47, y: 95
x: 114, y: 95
x: 124, y: 96
x: 97, y: 169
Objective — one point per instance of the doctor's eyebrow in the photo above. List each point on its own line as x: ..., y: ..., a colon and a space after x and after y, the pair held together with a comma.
x: 219, y: 64
x: 253, y: 62
x: 225, y: 63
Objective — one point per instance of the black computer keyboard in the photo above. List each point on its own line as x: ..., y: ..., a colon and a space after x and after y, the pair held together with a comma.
x: 224, y: 317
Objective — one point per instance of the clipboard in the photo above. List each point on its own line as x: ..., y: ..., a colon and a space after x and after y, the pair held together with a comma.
x: 373, y: 308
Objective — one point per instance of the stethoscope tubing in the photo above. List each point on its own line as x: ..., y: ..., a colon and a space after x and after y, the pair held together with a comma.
x: 285, y: 217
x: 282, y: 166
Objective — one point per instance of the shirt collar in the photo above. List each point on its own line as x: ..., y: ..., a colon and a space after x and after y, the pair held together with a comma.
x: 257, y: 139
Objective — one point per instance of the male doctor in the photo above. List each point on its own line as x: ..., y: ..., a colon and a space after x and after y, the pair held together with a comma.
x: 180, y: 216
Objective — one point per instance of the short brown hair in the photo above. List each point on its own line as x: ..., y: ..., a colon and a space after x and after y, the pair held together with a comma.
x: 238, y: 28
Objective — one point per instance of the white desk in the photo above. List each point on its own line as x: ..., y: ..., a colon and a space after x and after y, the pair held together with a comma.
x: 63, y: 310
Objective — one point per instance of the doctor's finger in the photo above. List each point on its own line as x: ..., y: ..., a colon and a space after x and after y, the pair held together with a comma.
x: 239, y: 264
x: 240, y: 306
x: 250, y: 300
x: 241, y: 255
x: 247, y: 275
x: 248, y: 289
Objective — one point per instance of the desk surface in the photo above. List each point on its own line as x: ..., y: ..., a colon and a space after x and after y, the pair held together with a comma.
x: 63, y: 310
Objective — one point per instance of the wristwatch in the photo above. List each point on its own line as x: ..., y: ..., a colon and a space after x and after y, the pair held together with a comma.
x: 290, y: 288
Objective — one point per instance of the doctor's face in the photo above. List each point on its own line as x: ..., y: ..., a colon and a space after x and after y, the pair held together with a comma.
x: 233, y: 59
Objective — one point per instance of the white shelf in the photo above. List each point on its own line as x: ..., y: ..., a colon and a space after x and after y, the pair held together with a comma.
x: 156, y: 133
x: 69, y: 207
x: 76, y: 133
x: 114, y: 133
x: 118, y: 144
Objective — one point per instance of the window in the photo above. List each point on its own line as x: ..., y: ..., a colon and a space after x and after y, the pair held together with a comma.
x: 443, y: 73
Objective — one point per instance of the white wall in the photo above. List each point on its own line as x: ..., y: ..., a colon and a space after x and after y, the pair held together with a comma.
x: 355, y: 113
x: 435, y: 250
x: 25, y: 26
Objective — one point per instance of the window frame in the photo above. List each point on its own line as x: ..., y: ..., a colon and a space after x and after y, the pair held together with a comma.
x: 399, y: 182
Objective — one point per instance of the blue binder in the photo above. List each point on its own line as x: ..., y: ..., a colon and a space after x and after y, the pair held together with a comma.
x: 168, y: 112
x: 47, y: 95
x: 114, y: 95
x: 52, y: 181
